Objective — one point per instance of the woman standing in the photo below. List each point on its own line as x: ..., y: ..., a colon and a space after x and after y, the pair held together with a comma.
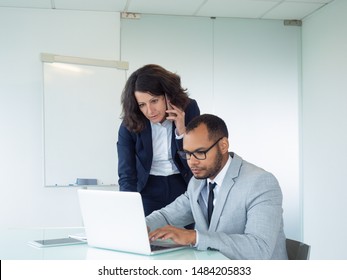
x: 155, y: 112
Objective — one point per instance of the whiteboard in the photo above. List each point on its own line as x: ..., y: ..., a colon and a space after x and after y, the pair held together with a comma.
x: 81, y: 119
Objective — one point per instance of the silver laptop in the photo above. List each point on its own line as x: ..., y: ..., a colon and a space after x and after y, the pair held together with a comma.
x: 115, y: 220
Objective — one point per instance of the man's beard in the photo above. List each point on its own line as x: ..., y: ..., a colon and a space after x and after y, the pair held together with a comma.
x: 216, y: 167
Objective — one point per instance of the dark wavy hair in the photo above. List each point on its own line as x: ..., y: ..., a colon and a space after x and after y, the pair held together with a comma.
x: 216, y: 127
x: 155, y: 80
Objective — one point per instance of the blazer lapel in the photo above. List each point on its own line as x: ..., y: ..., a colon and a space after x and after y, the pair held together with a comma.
x: 146, y: 137
x: 173, y: 142
x: 228, y: 183
x: 198, y: 204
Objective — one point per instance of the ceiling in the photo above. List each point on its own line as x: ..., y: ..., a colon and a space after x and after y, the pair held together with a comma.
x: 257, y: 9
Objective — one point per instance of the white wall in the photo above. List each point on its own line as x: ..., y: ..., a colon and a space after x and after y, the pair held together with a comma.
x: 325, y: 131
x: 24, y: 34
x: 247, y: 72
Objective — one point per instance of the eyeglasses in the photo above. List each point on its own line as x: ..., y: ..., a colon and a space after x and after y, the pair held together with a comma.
x: 200, y: 155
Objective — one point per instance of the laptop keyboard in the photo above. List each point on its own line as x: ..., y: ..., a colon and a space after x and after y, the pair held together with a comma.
x: 157, y: 248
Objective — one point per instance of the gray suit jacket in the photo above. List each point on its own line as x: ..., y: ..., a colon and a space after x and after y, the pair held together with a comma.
x: 247, y: 220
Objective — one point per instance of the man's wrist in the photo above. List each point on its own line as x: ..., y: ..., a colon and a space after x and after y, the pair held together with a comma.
x: 194, y: 240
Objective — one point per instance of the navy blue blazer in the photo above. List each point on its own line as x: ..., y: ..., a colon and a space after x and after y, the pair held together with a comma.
x: 135, y: 153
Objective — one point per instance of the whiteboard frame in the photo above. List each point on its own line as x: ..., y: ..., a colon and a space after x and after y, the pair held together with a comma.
x: 52, y: 58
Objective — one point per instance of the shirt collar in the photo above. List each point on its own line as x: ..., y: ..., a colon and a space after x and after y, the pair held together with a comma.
x: 165, y: 124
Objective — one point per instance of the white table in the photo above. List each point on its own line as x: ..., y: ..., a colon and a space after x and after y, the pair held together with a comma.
x: 14, y: 246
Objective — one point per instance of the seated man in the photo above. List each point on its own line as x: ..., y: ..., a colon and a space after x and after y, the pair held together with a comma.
x: 235, y: 205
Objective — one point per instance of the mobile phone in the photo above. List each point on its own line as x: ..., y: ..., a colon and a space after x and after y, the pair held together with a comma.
x: 57, y: 242
x: 168, y: 106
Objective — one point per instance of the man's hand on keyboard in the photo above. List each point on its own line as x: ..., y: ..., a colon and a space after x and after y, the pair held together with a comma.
x: 178, y: 235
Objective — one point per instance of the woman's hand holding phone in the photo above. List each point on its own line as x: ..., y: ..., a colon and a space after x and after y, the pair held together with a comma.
x: 177, y: 115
